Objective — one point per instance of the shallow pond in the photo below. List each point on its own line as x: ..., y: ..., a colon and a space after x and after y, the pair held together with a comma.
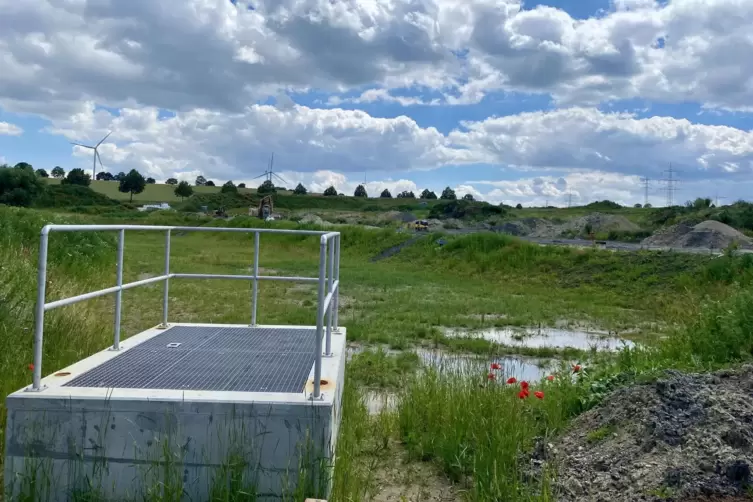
x: 542, y: 337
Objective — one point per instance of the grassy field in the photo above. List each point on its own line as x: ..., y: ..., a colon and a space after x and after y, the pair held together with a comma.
x: 462, y: 435
x: 152, y: 193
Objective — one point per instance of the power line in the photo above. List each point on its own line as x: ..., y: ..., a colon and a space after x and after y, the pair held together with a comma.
x: 671, y: 185
x: 717, y: 198
x: 645, y: 182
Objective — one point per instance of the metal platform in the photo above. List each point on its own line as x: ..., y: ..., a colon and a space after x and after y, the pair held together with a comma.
x: 211, y: 359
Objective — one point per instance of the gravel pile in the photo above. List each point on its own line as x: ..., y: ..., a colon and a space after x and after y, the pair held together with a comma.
x: 707, y: 234
x: 545, y: 229
x: 599, y: 222
x: 684, y: 437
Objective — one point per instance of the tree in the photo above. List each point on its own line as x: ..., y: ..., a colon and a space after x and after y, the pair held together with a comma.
x: 104, y: 176
x: 229, y: 187
x: 638, y: 206
x: 647, y: 206
x: 428, y: 195
x: 468, y: 197
x: 42, y: 173
x: 300, y: 190
x: 360, y: 191
x: 241, y: 185
x: 701, y: 203
x: 519, y: 206
x: 77, y: 177
x: 24, y: 165
x: 183, y: 190
x: 120, y: 176
x: 201, y: 181
x: 405, y: 194
x: 266, y: 188
x: 132, y: 183
x: 171, y: 181
x: 386, y: 194
x: 210, y: 183
x: 151, y: 181
x: 19, y: 187
x: 330, y: 192
x: 448, y: 194
x: 58, y: 172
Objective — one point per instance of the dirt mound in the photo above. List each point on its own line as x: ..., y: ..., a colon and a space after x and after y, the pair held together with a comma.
x: 707, y: 234
x: 546, y: 229
x: 312, y: 219
x: 683, y: 437
x: 599, y: 222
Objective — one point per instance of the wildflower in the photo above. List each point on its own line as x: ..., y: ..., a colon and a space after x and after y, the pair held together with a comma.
x: 524, y: 385
x: 512, y: 380
x: 31, y: 366
x: 539, y: 394
x: 523, y: 394
x: 550, y: 378
x: 576, y: 368
x: 496, y: 366
x: 491, y: 376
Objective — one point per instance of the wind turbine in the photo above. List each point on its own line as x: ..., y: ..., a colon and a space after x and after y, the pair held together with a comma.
x: 96, y: 154
x: 269, y: 173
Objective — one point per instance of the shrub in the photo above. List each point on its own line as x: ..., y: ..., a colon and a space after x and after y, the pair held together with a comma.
x: 77, y: 177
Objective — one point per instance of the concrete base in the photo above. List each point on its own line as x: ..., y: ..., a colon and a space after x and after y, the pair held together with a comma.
x: 132, y: 444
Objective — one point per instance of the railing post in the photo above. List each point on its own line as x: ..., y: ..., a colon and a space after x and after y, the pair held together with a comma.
x: 167, y: 280
x: 336, y: 299
x: 330, y: 281
x: 320, y: 320
x: 39, y: 311
x: 256, y: 279
x: 119, y: 294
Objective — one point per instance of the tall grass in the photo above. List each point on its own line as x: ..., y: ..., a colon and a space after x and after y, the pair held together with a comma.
x: 481, y: 434
x: 479, y: 431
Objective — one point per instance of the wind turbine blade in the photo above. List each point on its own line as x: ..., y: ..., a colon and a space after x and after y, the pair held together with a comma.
x: 99, y: 159
x: 260, y: 176
x: 83, y: 146
x: 279, y: 178
x: 103, y: 139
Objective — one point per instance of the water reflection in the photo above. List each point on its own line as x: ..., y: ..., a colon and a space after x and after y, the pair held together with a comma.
x: 542, y: 337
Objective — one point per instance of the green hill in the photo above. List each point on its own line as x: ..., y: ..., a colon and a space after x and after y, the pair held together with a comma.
x: 152, y: 192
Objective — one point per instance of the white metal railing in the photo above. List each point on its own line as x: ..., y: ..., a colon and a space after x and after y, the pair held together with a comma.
x: 327, y: 297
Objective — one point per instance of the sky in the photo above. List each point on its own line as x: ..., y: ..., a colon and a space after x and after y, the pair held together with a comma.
x: 513, y: 102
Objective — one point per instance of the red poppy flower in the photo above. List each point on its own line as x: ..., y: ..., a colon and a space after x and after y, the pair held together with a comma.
x: 523, y: 394
x: 31, y: 366
x: 524, y: 385
x: 550, y: 378
x: 491, y: 376
x: 539, y: 394
x: 512, y: 380
x: 496, y: 366
x: 576, y: 368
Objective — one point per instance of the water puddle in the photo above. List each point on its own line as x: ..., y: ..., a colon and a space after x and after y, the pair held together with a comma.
x: 522, y: 368
x: 542, y: 337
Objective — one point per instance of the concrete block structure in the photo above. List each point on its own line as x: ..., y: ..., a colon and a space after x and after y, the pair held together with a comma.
x: 189, y: 411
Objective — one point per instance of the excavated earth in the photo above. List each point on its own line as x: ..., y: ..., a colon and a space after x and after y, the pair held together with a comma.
x: 684, y: 437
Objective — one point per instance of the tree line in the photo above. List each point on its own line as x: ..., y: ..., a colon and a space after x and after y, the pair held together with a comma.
x: 20, y: 184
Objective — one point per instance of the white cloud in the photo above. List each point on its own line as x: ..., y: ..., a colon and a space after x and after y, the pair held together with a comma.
x: 216, y: 55
x: 7, y: 129
x: 98, y: 65
x: 588, y: 139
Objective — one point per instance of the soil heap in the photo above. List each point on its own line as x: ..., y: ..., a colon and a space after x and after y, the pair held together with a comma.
x: 684, y: 437
x: 707, y: 234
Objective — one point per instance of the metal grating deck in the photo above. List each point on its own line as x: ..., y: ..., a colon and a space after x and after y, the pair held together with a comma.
x: 211, y: 359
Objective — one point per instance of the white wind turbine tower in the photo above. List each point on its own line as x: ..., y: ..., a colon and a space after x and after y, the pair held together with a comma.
x: 96, y: 154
